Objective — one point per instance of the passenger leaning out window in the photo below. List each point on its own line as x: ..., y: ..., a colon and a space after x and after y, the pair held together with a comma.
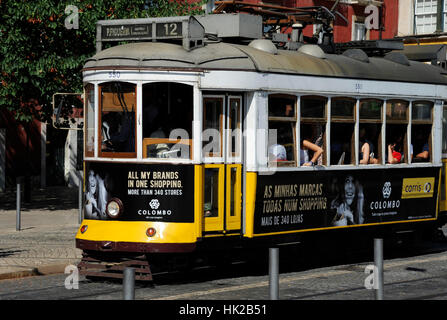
x: 395, y: 151
x: 367, y: 155
x: 305, y: 146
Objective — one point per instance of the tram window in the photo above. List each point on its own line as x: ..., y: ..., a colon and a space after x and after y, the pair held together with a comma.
x: 312, y: 129
x: 342, y: 131
x: 89, y: 93
x: 422, y: 111
x: 117, y: 118
x: 396, y: 131
x: 420, y: 148
x: 421, y: 115
x: 167, y: 120
x: 370, y: 131
x: 282, y: 118
x: 371, y: 109
x: 213, y: 121
x: 282, y: 106
x: 235, y: 126
x: 211, y: 200
x: 311, y: 144
x: 369, y: 143
x: 313, y: 107
x: 396, y: 110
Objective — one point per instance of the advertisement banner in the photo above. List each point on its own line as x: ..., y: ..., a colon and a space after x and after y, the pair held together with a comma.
x: 301, y: 200
x: 148, y: 192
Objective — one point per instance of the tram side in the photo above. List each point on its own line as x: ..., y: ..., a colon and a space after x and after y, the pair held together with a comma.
x: 261, y: 180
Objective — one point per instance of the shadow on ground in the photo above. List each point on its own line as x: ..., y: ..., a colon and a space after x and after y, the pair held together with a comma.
x: 50, y: 198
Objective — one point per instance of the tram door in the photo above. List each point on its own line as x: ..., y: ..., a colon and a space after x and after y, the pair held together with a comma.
x: 222, y: 149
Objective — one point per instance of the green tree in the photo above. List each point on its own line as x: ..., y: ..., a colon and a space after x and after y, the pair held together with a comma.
x: 39, y: 56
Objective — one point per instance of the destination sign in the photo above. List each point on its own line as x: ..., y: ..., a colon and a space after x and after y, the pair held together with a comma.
x: 185, y: 28
x: 126, y: 31
x: 140, y: 31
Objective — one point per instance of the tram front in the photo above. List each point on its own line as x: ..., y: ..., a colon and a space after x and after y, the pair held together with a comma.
x: 139, y: 168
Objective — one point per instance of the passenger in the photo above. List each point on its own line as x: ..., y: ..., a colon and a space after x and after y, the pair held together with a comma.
x: 366, y: 149
x: 277, y: 152
x: 421, y: 148
x: 289, y: 111
x: 395, y: 153
x: 305, y: 146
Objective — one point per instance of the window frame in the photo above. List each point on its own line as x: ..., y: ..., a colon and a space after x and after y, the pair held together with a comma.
x: 399, y: 122
x: 89, y: 154
x: 346, y: 120
x: 423, y: 122
x: 220, y: 155
x: 293, y: 121
x: 380, y: 121
x: 106, y: 154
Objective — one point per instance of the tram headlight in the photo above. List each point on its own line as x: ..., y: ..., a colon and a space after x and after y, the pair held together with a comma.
x: 151, y: 232
x: 114, y: 208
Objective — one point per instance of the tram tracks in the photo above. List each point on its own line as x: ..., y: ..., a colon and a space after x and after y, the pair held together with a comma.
x: 240, y: 277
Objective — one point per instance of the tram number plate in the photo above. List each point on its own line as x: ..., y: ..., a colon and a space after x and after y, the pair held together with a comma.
x: 114, y: 75
x: 170, y: 29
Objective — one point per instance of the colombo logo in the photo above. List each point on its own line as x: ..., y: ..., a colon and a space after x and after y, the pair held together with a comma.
x: 386, y: 190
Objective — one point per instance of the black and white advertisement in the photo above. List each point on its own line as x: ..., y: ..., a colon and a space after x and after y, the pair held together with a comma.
x: 153, y: 192
x: 320, y: 199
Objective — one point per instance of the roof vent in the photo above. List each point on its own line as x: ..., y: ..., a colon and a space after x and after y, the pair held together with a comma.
x: 264, y: 45
x: 397, y: 57
x: 312, y: 50
x: 356, y: 54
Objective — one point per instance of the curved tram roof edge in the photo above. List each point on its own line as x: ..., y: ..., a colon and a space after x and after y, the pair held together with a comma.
x: 223, y: 56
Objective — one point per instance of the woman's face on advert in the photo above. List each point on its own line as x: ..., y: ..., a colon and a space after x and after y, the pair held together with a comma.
x: 349, y: 190
x: 92, y: 184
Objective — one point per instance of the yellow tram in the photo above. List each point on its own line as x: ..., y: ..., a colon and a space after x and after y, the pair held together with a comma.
x: 193, y: 140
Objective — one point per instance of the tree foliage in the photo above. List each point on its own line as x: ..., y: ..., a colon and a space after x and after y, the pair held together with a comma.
x: 39, y: 56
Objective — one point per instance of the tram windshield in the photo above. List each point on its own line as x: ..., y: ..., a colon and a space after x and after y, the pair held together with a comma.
x: 167, y: 120
x: 117, y: 116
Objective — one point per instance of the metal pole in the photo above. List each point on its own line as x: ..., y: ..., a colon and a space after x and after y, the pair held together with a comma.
x: 18, y: 204
x: 129, y: 283
x: 80, y: 193
x: 378, y: 262
x: 274, y: 273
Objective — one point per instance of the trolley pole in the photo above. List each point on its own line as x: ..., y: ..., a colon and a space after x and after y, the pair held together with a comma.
x: 378, y: 262
x: 274, y: 273
x: 18, y: 203
x: 129, y: 283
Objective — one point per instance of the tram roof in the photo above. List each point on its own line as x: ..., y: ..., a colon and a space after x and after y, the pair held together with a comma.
x: 227, y: 56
